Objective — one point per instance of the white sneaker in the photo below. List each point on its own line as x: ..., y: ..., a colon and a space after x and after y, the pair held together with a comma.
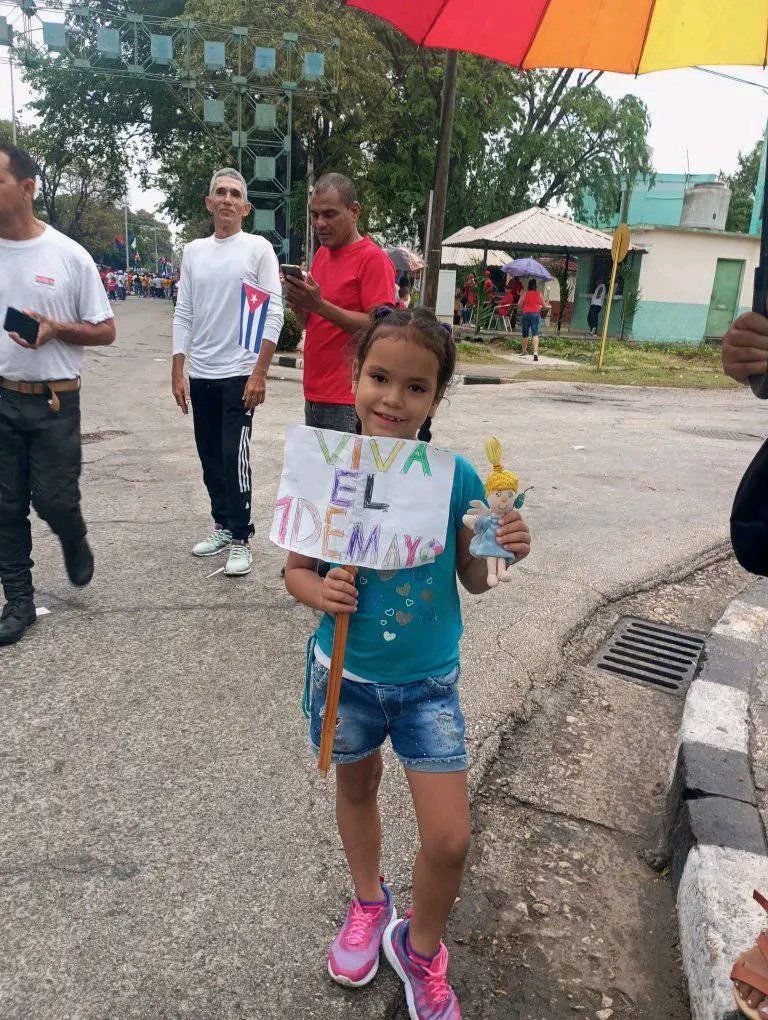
x: 219, y: 540
x: 239, y: 560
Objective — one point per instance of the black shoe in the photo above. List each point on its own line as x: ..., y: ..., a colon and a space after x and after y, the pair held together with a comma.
x: 535, y: 357
x: 17, y: 615
x: 78, y: 559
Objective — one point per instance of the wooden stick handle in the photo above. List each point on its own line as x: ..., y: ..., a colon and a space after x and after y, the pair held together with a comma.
x: 334, y: 686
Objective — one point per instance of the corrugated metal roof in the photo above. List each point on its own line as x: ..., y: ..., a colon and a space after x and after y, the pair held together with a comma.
x: 453, y: 256
x: 459, y: 235
x: 535, y: 230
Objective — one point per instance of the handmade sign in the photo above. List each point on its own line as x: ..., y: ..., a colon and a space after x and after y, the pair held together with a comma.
x: 362, y: 500
x: 501, y: 489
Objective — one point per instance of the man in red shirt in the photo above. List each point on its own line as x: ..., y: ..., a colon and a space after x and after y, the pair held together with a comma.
x: 351, y: 276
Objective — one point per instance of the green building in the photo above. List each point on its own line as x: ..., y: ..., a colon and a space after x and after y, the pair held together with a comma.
x: 657, y: 200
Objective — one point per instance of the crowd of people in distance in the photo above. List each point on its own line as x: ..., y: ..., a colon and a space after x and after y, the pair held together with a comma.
x: 118, y: 284
x: 527, y: 301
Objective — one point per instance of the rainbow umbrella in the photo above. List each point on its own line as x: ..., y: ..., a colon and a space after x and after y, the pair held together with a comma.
x: 634, y: 36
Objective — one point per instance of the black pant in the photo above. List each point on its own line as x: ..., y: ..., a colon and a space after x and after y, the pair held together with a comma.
x: 341, y: 417
x: 593, y: 316
x: 223, y: 438
x: 40, y: 458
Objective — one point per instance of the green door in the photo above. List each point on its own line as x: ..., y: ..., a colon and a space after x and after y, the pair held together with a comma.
x: 725, y: 296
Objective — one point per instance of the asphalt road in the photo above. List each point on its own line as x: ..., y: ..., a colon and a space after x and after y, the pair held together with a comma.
x: 166, y: 848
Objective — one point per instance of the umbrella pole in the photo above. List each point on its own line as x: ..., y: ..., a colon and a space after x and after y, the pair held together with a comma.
x: 435, y: 238
x: 759, y: 383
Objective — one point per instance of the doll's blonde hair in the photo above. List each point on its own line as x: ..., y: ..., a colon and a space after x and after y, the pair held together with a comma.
x: 499, y: 479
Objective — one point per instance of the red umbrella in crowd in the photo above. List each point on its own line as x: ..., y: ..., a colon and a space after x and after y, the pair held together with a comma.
x: 404, y: 260
x: 633, y: 36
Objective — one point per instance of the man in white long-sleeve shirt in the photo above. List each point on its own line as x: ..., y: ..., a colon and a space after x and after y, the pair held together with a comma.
x: 228, y: 318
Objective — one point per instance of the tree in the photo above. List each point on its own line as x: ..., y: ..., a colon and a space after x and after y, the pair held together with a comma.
x: 743, y: 184
x: 75, y: 161
x: 520, y: 138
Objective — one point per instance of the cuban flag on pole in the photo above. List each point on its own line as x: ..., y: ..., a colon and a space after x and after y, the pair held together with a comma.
x: 254, y: 304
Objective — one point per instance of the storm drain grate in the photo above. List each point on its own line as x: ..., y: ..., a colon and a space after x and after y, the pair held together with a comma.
x: 651, y: 654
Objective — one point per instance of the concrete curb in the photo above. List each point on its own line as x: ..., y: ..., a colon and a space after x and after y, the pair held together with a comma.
x: 717, y: 843
x: 284, y: 361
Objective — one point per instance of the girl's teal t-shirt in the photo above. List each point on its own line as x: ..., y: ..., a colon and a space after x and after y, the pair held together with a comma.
x: 408, y: 622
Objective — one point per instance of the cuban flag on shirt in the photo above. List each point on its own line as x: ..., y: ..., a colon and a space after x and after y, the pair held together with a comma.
x: 254, y: 304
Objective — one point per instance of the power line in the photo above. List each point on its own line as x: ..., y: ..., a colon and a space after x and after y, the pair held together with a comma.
x: 733, y: 78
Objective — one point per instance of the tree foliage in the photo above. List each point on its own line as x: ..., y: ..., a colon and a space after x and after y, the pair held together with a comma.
x: 743, y: 184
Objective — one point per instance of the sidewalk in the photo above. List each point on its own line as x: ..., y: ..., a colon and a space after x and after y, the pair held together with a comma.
x: 719, y: 805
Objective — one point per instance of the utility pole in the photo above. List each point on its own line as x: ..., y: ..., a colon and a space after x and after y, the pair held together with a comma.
x: 435, y: 239
x: 309, y: 247
x: 626, y: 196
x: 127, y: 239
x: 13, y: 101
x: 157, y: 257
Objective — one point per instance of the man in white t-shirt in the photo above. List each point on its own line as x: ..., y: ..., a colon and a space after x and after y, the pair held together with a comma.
x: 52, y: 279
x: 595, y: 307
x: 228, y: 317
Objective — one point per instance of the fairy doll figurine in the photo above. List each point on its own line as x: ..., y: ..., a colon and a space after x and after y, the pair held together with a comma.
x: 501, y: 489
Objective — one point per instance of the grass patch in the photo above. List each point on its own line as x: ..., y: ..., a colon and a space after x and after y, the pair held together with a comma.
x: 479, y: 354
x: 627, y: 363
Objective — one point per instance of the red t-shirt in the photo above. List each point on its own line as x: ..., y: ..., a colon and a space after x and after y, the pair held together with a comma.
x: 358, y: 278
x: 506, y: 302
x: 533, y: 301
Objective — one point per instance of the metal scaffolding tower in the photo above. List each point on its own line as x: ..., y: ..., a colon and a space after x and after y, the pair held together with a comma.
x: 239, y: 85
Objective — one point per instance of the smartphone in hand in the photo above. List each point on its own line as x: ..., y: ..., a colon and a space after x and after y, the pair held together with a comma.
x: 24, y: 325
x: 294, y: 271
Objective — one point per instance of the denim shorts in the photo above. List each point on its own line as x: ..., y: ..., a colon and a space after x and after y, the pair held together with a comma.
x: 531, y: 324
x: 422, y: 719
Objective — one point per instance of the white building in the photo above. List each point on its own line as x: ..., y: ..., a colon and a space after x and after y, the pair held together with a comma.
x: 693, y: 281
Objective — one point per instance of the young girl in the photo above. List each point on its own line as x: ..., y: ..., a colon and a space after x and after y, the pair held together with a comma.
x: 404, y: 687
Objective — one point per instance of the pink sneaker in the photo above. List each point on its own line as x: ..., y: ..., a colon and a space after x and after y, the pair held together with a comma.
x: 354, y: 956
x: 427, y: 991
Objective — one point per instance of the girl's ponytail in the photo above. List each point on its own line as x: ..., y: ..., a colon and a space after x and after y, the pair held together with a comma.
x: 425, y: 432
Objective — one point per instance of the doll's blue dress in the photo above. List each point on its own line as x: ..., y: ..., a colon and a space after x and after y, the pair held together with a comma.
x: 484, y: 541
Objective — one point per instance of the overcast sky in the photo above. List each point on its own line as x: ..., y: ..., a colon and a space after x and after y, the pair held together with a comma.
x: 694, y: 116
x: 708, y: 117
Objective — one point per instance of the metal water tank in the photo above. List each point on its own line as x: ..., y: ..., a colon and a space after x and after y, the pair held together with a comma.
x: 706, y: 206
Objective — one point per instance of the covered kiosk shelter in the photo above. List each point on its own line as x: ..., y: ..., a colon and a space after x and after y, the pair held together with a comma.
x: 538, y: 232
x: 463, y: 257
